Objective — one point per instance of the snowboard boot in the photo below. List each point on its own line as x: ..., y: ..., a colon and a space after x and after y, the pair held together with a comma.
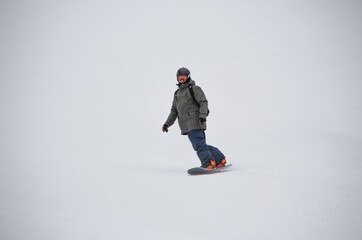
x: 221, y: 164
x: 209, y: 165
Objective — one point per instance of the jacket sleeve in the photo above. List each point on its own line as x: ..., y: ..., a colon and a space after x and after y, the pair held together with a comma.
x: 173, y: 114
x: 201, y: 99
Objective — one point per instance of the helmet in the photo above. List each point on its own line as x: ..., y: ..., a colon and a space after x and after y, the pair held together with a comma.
x: 183, y: 72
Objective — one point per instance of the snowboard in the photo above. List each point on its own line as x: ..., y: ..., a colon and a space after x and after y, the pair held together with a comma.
x: 201, y: 171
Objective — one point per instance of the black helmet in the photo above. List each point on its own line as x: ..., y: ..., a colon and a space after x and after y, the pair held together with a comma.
x: 183, y: 72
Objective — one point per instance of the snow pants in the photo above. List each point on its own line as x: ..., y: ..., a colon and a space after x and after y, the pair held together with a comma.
x: 204, y: 152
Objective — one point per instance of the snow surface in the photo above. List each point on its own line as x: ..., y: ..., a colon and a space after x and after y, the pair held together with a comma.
x: 86, y: 85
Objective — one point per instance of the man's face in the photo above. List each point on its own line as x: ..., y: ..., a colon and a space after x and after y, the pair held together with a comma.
x: 181, y: 79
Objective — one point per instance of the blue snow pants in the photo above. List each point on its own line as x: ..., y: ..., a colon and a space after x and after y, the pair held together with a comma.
x: 204, y: 152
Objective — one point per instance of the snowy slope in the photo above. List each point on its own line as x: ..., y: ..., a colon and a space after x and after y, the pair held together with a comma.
x: 85, y: 87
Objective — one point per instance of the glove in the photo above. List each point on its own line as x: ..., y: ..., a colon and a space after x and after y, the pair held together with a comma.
x: 165, y: 128
x: 202, y: 120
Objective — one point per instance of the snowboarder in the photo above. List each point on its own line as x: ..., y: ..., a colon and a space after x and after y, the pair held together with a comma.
x: 190, y: 107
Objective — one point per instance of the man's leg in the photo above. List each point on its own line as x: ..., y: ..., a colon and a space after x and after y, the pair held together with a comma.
x: 217, y: 154
x: 197, y: 138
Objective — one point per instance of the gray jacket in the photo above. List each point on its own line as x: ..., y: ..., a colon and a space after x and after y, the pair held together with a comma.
x: 186, y: 110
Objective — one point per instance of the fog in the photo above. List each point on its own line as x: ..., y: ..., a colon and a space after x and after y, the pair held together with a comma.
x: 85, y: 87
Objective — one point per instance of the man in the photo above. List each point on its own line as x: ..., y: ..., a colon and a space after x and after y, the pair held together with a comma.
x: 190, y: 107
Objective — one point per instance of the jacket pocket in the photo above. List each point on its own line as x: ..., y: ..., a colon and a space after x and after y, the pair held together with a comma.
x: 192, y: 114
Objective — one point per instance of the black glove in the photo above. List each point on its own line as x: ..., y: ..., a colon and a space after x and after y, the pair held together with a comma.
x: 202, y: 120
x: 165, y: 128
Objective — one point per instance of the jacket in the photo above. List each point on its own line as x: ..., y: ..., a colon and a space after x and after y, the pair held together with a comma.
x: 186, y: 110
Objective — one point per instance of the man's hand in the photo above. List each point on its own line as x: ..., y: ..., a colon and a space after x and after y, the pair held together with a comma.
x: 164, y: 128
x: 202, y: 120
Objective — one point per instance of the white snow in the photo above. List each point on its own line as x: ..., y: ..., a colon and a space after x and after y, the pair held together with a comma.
x: 86, y: 85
